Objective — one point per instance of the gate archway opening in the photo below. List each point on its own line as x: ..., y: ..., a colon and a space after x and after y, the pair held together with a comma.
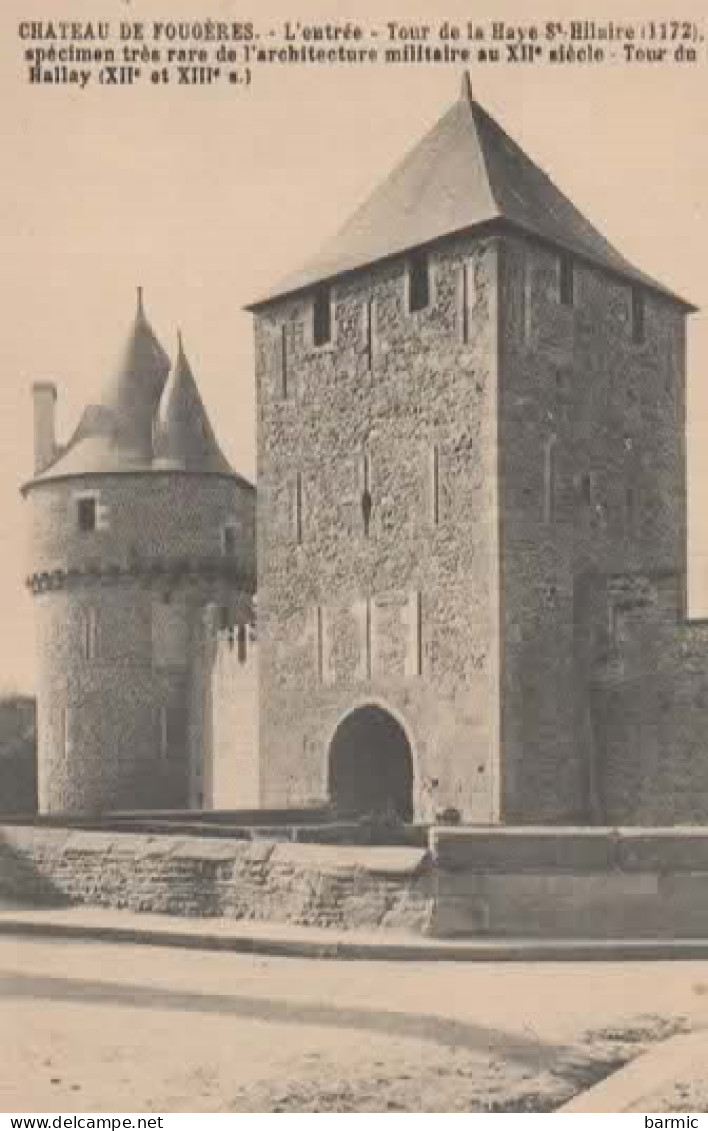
x: 371, y: 765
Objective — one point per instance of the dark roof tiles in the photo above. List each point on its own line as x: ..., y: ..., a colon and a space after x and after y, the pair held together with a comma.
x: 464, y: 173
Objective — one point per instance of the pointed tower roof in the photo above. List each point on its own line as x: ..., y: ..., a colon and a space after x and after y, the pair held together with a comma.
x: 115, y: 433
x: 464, y: 173
x: 184, y: 439
x: 133, y: 390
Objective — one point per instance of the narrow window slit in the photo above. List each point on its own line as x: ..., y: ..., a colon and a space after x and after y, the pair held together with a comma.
x: 630, y: 508
x: 549, y: 480
x: 418, y: 281
x: 242, y: 645
x: 567, y: 280
x: 638, y: 316
x: 435, y: 484
x: 322, y: 316
x: 284, y: 363
x: 369, y: 324
x: 298, y: 508
x: 366, y: 500
x: 320, y: 645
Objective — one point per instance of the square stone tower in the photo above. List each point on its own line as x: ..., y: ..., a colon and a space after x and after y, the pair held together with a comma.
x: 470, y: 419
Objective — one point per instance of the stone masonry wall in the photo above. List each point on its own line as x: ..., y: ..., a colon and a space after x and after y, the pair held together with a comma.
x: 650, y: 708
x: 592, y: 473
x: 295, y: 883
x: 120, y: 633
x: 516, y: 882
x: 405, y: 617
x: 147, y: 516
x: 577, y: 883
x: 98, y: 719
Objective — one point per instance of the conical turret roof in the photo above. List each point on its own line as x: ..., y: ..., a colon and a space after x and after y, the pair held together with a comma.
x: 115, y: 432
x: 149, y: 417
x: 132, y: 392
x: 466, y: 172
x: 184, y: 439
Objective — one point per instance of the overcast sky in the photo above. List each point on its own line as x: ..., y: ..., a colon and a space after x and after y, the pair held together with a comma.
x: 206, y: 196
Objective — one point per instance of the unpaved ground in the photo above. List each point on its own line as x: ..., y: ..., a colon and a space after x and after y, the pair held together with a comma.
x: 101, y: 1028
x: 688, y: 1096
x: 75, y: 1058
x: 458, y: 1082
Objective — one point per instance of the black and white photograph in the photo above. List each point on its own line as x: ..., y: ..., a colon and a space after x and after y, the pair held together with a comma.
x: 354, y: 571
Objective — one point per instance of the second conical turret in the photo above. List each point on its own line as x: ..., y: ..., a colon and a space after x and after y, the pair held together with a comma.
x: 183, y: 438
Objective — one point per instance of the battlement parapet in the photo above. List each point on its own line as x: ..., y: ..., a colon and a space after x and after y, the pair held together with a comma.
x: 156, y: 569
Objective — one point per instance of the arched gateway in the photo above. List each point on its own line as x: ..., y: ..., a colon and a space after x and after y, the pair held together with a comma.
x: 371, y: 765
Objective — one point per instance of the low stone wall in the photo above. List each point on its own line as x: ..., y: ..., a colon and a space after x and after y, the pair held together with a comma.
x: 504, y: 882
x: 312, y: 884
x: 565, y: 883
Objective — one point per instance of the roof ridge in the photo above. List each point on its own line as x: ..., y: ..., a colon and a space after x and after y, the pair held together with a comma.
x: 474, y: 107
x: 549, y: 182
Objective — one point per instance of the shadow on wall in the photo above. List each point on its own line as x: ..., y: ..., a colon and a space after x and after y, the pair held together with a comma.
x: 22, y: 883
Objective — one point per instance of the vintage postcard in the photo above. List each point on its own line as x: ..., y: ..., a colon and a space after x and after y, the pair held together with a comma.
x: 354, y: 663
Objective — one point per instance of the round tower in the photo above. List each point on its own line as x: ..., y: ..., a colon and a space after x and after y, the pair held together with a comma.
x: 143, y: 545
